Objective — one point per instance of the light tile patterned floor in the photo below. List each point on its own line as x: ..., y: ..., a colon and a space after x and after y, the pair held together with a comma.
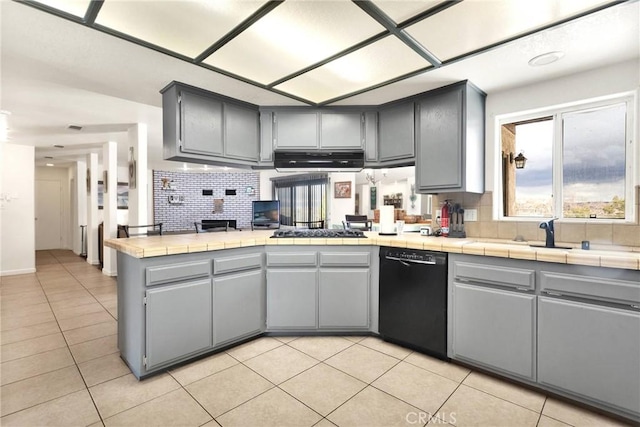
x: 60, y: 366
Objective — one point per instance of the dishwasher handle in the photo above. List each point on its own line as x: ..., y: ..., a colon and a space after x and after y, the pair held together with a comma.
x: 409, y: 261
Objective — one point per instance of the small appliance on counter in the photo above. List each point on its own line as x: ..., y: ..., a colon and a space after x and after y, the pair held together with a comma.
x: 456, y: 221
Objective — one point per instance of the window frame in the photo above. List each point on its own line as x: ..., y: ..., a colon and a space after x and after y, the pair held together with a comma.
x: 632, y: 153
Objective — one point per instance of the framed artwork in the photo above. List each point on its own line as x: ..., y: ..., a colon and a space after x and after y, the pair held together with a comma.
x: 342, y: 190
x: 122, y: 195
x: 132, y: 169
x: 374, y: 197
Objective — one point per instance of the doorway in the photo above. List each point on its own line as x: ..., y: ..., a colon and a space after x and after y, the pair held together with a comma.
x: 48, y: 206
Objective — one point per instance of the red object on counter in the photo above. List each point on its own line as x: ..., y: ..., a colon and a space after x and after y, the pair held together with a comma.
x: 444, y: 219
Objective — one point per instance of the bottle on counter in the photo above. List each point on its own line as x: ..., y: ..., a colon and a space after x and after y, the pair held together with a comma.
x: 444, y: 218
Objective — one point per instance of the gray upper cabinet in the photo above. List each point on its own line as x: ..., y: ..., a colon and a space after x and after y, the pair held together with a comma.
x: 266, y: 138
x: 201, y: 124
x: 450, y: 140
x: 241, y: 131
x: 296, y: 130
x: 396, y: 142
x: 371, y: 137
x: 312, y: 129
x: 203, y: 127
x: 341, y: 130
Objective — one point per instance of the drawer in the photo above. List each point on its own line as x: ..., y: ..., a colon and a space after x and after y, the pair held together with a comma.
x: 286, y: 259
x: 177, y: 272
x: 351, y: 259
x: 237, y: 263
x: 598, y: 288
x: 495, y: 275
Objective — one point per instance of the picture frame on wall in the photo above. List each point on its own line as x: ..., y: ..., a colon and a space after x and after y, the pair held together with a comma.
x: 132, y: 169
x: 122, y: 195
x: 342, y: 190
x: 374, y: 197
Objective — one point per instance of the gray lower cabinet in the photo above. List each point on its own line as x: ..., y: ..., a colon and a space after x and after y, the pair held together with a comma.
x: 178, y: 321
x: 343, y: 298
x: 238, y: 306
x: 291, y: 298
x: 450, y: 140
x: 396, y: 140
x: 590, y: 350
x: 495, y: 328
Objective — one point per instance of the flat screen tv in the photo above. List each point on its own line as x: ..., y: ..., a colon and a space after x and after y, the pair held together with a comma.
x: 266, y: 212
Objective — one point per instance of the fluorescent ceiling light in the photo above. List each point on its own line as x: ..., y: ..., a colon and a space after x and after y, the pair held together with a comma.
x: 49, y: 164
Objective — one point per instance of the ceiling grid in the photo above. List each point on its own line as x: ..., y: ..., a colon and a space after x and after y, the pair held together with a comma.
x: 322, y: 52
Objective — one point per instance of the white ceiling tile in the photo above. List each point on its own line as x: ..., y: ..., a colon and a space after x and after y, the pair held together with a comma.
x: 473, y: 24
x: 401, y: 10
x: 368, y: 66
x: 294, y: 35
x: 186, y: 27
x: 74, y: 7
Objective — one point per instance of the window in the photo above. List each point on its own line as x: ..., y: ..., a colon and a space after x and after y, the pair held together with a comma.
x: 303, y: 198
x: 579, y: 162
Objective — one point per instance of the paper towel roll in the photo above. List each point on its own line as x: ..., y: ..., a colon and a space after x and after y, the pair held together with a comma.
x: 387, y: 220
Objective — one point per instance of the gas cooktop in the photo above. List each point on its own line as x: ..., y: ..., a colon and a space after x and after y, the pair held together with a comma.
x: 323, y: 233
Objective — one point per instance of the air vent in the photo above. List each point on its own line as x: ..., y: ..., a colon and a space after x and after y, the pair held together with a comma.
x: 74, y: 127
x: 48, y: 157
x: 58, y: 146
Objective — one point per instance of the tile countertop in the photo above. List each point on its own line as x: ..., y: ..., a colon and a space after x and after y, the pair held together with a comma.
x: 152, y: 246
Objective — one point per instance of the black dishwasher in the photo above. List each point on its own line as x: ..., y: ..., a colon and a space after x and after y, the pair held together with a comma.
x: 413, y: 299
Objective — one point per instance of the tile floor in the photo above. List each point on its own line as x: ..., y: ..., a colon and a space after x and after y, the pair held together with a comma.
x: 60, y: 366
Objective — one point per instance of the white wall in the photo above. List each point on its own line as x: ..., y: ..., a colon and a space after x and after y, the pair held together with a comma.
x: 618, y: 78
x: 338, y: 208
x: 17, y: 210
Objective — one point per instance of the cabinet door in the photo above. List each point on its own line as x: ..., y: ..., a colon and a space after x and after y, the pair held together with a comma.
x: 237, y: 306
x: 371, y: 137
x: 343, y: 298
x: 266, y: 137
x: 396, y: 133
x: 296, y: 130
x: 590, y: 350
x: 200, y: 124
x: 241, y: 132
x: 341, y: 130
x: 495, y: 328
x: 178, y: 319
x: 291, y: 298
x: 439, y: 164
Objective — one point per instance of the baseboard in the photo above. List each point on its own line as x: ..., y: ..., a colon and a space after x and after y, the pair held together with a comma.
x: 93, y: 261
x: 109, y: 273
x: 17, y: 272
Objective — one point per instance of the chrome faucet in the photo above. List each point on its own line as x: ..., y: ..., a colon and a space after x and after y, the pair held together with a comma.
x: 547, y: 226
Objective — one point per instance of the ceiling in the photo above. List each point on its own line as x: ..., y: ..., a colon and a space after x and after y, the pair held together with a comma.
x: 101, y: 65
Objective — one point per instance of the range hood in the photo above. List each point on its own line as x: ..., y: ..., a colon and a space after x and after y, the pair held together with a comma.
x: 324, y: 161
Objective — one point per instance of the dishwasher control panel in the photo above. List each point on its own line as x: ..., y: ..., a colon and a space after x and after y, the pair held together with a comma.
x: 423, y: 257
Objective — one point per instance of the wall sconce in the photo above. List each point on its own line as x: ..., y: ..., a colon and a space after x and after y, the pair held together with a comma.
x: 520, y: 160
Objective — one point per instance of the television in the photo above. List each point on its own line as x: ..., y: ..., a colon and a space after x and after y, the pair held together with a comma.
x: 266, y: 212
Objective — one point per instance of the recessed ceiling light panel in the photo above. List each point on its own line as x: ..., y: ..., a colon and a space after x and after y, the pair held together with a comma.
x: 545, y: 58
x: 293, y: 36
x: 73, y: 7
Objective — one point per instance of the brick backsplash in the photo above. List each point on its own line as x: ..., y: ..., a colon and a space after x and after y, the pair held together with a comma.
x: 603, y: 235
x: 196, y: 207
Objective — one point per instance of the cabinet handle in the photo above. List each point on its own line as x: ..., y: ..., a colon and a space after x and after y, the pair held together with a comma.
x: 555, y: 294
